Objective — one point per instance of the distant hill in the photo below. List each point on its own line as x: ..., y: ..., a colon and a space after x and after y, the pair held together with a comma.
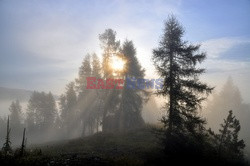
x: 7, y: 94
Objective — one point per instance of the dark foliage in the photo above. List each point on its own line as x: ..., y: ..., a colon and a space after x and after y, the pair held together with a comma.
x: 7, y: 150
x: 175, y: 61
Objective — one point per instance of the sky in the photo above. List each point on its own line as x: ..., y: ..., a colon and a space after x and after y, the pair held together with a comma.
x: 42, y: 43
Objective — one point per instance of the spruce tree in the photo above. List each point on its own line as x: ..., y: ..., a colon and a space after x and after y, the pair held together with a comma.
x: 175, y: 61
x: 16, y: 118
x: 68, y: 108
x: 98, y: 103
x: 228, y: 98
x: 110, y: 47
x: 229, y: 144
x: 41, y: 112
x: 123, y: 106
x: 63, y: 110
x: 131, y: 99
x: 96, y: 66
x: 84, y: 71
x: 7, y: 145
x: 15, y: 114
x: 84, y: 95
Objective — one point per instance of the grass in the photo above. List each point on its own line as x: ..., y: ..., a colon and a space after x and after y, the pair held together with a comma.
x: 135, y: 147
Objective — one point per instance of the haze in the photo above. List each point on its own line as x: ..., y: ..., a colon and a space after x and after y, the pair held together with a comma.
x: 45, y: 44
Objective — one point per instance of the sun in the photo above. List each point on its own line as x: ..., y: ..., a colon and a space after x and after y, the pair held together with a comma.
x: 117, y: 64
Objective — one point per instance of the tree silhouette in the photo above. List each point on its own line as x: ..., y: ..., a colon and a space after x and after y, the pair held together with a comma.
x: 68, y: 109
x: 175, y: 61
x: 110, y: 47
x: 85, y: 70
x: 7, y: 145
x: 15, y: 114
x: 121, y: 108
x: 86, y: 98
x: 229, y: 144
x: 98, y: 103
x: 15, y: 120
x: 228, y: 98
x: 41, y: 114
x: 131, y: 99
x: 23, y: 145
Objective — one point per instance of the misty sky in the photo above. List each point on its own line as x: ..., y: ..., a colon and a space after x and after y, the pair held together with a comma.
x: 42, y: 43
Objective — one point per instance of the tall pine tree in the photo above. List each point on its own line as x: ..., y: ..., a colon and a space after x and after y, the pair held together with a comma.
x: 41, y: 113
x: 175, y: 61
x: 98, y: 102
x: 84, y: 71
x: 110, y: 47
x: 68, y: 109
x: 131, y: 99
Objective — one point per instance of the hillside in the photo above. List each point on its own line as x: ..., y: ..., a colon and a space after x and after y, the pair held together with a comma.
x: 7, y: 94
x: 136, y: 147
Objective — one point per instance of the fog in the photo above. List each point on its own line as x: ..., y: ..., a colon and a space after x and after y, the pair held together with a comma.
x: 124, y: 82
x: 80, y: 112
x: 225, y: 99
x: 215, y: 109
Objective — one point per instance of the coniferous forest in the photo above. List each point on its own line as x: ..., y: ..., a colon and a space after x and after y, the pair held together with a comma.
x: 101, y: 117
